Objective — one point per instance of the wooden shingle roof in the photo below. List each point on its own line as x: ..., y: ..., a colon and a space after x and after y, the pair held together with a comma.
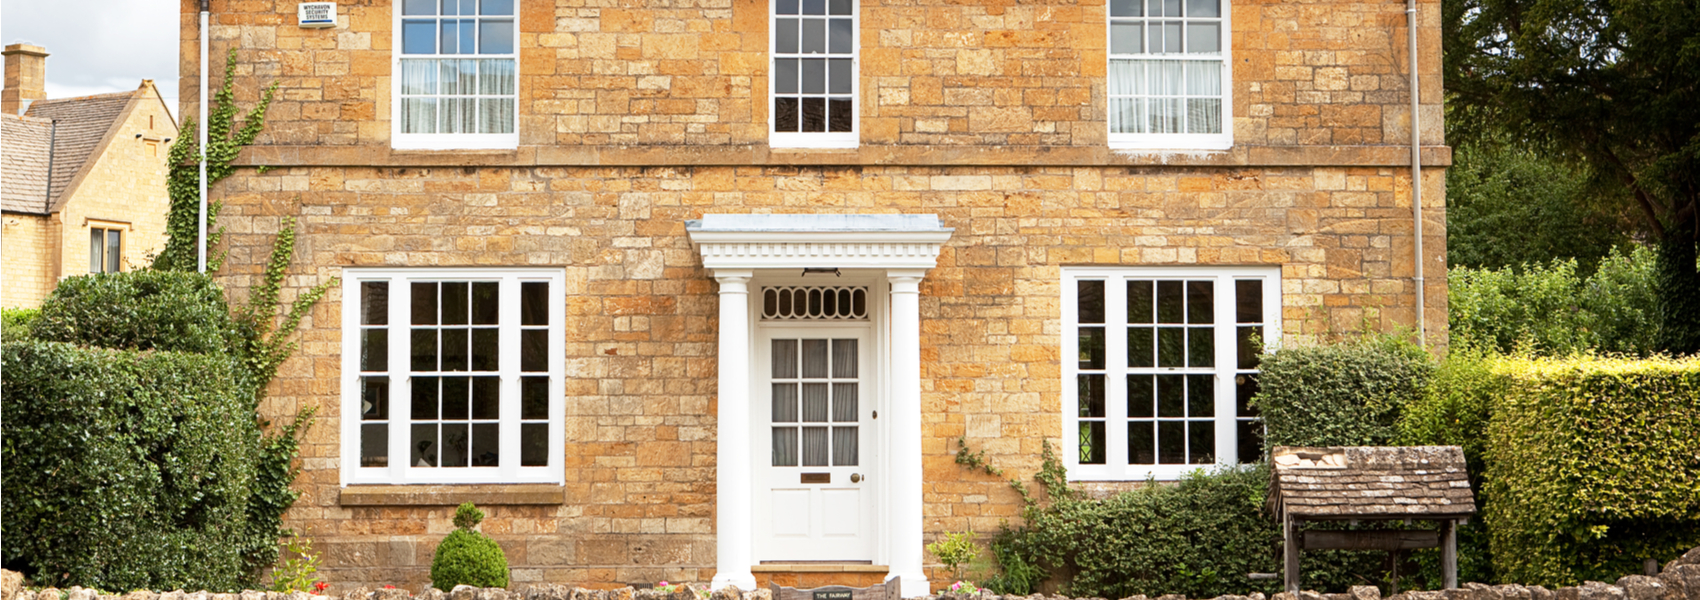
x: 1370, y: 482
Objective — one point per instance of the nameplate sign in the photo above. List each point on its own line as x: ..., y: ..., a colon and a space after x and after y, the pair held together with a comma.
x: 832, y: 595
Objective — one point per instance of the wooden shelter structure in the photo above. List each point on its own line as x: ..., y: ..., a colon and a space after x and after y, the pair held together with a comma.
x: 1370, y: 483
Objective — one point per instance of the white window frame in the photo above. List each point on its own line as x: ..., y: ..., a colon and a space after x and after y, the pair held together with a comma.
x: 826, y: 140
x: 1116, y: 467
x: 1177, y: 141
x: 447, y: 141
x: 399, y: 330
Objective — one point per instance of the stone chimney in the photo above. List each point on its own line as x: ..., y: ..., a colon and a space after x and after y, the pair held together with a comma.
x: 26, y: 77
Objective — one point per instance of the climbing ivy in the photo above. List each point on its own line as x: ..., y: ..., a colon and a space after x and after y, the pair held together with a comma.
x: 182, y: 226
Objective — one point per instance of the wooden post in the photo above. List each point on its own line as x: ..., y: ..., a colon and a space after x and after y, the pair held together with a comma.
x: 1290, y: 551
x: 1394, y: 587
x: 1449, y: 553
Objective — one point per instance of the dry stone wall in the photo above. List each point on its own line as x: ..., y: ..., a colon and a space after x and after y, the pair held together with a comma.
x: 1678, y: 580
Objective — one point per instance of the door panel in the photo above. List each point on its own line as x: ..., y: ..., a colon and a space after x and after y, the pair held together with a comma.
x: 814, y: 415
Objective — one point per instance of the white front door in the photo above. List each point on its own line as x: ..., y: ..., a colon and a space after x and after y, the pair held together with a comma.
x: 813, y: 408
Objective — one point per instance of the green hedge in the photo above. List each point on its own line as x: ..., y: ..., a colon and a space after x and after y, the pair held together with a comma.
x: 1199, y: 536
x: 15, y: 323
x: 1593, y: 465
x: 129, y: 470
x: 1454, y: 411
x: 1345, y: 394
x: 138, y: 310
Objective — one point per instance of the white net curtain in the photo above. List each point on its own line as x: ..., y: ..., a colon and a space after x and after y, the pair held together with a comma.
x: 457, y: 96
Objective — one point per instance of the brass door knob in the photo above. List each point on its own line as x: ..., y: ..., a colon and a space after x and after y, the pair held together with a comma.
x: 855, y: 478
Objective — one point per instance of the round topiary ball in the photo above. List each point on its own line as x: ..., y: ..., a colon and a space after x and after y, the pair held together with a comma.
x: 467, y: 557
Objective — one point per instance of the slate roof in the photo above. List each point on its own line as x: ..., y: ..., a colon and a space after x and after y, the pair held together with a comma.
x: 23, y: 163
x: 1371, y: 482
x: 82, y: 124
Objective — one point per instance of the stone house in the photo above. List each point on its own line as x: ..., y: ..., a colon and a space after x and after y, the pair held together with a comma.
x: 709, y: 290
x: 82, y: 179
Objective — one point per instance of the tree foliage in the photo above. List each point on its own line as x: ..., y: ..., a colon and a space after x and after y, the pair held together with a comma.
x: 1552, y: 309
x: 1508, y: 205
x: 1609, y: 85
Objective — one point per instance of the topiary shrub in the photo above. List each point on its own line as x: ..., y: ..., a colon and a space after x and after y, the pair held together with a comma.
x: 130, y: 470
x: 467, y: 557
x: 1345, y: 394
x: 137, y: 310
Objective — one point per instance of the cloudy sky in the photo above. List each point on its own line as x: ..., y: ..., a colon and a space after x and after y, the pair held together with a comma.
x: 98, y: 46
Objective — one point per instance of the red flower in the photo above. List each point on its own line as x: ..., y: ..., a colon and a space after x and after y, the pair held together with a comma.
x: 389, y: 587
x: 320, y: 586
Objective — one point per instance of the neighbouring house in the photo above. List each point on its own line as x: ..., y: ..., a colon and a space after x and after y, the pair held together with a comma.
x: 708, y: 291
x: 82, y: 179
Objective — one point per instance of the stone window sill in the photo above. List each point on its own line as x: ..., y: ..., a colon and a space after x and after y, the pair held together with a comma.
x: 452, y: 495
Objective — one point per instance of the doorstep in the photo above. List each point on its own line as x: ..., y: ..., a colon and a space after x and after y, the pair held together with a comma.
x: 806, y: 575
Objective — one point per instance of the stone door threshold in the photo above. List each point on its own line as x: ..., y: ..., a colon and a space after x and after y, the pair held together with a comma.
x: 818, y: 567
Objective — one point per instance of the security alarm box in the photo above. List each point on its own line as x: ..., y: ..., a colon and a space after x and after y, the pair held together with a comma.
x: 317, y: 15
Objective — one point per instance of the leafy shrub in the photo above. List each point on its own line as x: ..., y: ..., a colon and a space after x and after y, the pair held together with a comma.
x: 1199, y: 536
x: 1345, y: 394
x: 1550, y: 309
x: 300, y: 573
x: 955, y: 550
x: 149, y: 456
x: 1455, y: 411
x: 467, y: 557
x: 153, y: 314
x: 1593, y: 466
x: 138, y: 310
x: 15, y: 323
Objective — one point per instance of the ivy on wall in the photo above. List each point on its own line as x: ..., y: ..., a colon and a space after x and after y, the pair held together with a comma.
x: 225, y: 140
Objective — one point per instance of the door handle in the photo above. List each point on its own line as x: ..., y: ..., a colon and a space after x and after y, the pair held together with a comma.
x: 855, y: 478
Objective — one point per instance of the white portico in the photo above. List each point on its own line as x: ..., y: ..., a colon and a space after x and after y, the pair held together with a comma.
x: 819, y: 424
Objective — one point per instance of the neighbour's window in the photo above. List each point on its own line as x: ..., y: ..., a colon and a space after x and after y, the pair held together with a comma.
x: 1163, y: 365
x: 455, y: 74
x: 814, y: 73
x: 1169, y: 74
x: 453, y: 376
x: 106, y: 250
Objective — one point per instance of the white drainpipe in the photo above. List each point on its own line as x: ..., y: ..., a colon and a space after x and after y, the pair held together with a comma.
x: 201, y: 245
x: 1416, y: 173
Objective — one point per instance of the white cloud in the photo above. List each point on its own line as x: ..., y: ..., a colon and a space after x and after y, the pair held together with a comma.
x: 99, y: 46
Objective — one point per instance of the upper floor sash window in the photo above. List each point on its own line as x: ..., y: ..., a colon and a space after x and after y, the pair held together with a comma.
x: 814, y: 74
x: 1168, y: 77
x: 455, y: 74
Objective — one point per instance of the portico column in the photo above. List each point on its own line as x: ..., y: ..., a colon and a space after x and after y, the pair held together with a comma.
x: 905, y: 431
x: 732, y: 501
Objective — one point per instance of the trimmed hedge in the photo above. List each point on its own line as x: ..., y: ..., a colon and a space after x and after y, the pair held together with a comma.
x: 1593, y: 465
x: 1454, y: 411
x: 138, y: 310
x: 1345, y: 394
x: 129, y: 470
x: 147, y: 464
x: 15, y: 323
x: 1200, y: 537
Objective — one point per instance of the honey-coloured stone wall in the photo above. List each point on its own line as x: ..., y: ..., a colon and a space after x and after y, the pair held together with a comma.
x: 638, y: 505
x: 1316, y: 73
